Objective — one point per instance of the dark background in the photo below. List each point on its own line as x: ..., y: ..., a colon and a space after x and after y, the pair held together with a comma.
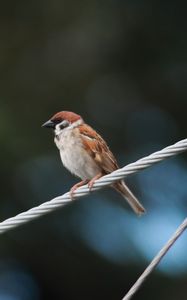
x: 122, y: 66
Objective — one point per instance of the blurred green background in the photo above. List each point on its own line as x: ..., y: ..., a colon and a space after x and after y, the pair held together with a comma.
x: 122, y: 66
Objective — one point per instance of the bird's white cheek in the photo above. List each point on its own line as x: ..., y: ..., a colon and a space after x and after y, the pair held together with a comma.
x: 58, y: 130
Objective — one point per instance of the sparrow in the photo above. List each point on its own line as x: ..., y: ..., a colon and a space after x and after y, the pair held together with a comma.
x: 85, y: 154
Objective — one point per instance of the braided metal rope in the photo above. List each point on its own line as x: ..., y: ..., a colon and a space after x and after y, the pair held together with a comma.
x: 82, y: 191
x: 156, y: 260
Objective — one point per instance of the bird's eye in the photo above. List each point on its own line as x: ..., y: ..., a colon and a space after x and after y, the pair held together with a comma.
x: 57, y: 121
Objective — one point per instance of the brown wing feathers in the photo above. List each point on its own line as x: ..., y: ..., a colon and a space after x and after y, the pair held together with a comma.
x: 98, y: 149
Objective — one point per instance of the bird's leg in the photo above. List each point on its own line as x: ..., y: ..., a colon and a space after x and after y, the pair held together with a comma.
x: 81, y: 183
x: 92, y: 181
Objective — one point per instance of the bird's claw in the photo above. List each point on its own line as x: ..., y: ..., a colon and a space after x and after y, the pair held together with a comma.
x: 76, y: 186
x: 92, y: 181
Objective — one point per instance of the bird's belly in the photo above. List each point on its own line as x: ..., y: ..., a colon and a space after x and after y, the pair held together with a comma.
x: 75, y: 158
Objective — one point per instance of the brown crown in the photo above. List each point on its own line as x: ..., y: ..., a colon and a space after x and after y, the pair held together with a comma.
x: 66, y: 115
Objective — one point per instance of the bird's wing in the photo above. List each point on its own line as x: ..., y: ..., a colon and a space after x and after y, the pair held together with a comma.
x: 98, y: 149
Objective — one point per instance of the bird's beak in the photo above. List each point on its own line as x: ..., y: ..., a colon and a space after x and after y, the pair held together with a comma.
x: 49, y: 124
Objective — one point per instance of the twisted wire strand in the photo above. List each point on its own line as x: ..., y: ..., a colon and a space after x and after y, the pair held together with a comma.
x: 57, y: 202
x: 156, y: 260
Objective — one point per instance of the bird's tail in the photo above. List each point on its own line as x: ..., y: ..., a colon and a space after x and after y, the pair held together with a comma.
x: 121, y: 187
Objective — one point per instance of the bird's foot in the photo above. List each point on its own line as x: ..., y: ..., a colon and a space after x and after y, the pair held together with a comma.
x: 92, y: 181
x: 76, y: 186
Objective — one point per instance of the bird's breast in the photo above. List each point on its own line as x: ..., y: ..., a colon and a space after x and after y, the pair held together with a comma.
x: 74, y: 157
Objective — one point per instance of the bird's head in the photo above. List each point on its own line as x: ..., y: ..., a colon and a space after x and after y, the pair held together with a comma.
x: 63, y: 119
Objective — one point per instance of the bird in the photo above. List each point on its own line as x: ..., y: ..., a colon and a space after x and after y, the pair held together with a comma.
x: 86, y: 154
